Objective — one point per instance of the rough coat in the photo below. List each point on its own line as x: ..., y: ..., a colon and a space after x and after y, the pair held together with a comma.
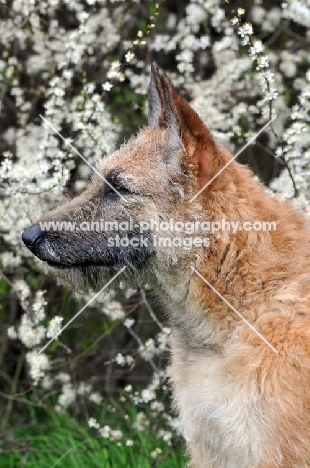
x: 240, y: 404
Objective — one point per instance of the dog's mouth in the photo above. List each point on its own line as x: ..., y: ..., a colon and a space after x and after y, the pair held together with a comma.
x: 63, y: 266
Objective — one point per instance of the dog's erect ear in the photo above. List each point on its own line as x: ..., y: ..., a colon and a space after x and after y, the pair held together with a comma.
x: 160, y: 112
x: 193, y: 131
x: 155, y: 100
x: 169, y: 110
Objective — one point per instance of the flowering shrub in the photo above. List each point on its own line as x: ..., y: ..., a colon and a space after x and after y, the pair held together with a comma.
x: 84, y: 66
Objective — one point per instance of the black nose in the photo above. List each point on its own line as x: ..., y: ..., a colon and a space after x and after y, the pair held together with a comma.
x: 31, y: 236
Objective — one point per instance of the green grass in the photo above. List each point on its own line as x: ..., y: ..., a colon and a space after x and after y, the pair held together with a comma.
x: 64, y: 443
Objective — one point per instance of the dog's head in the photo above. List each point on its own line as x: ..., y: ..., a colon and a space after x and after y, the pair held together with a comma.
x: 138, y: 200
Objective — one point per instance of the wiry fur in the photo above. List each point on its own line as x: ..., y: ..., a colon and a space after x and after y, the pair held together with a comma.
x: 240, y: 404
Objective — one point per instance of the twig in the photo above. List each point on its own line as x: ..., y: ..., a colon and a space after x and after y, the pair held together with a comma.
x: 149, y: 308
x: 13, y: 390
x: 166, y: 454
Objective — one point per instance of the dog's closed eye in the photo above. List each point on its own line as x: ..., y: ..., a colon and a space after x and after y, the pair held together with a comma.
x: 108, y: 189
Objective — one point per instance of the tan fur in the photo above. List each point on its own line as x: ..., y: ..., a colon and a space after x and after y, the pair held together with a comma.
x: 240, y: 405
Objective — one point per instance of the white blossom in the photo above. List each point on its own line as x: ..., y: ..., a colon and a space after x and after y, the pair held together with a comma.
x: 114, y: 310
x: 107, y: 86
x: 54, y: 327
x: 93, y: 423
x: 129, y: 56
x: 30, y: 334
x: 129, y: 322
x: 63, y: 377
x: 156, y: 452
x: 68, y: 396
x: 38, y: 364
x: 22, y: 288
x: 95, y: 398
x: 12, y: 333
x: 47, y: 382
x: 122, y: 360
x: 141, y: 421
x: 84, y: 389
x: 8, y: 259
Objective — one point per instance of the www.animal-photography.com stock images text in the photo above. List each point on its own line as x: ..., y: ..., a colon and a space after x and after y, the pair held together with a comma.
x: 154, y: 234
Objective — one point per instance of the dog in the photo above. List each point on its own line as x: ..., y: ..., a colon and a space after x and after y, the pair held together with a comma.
x: 238, y: 302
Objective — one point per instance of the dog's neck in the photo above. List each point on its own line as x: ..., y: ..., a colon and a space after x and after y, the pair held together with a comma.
x: 187, y: 315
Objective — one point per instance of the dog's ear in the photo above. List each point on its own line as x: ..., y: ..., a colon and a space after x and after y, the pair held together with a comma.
x: 193, y: 131
x: 155, y: 98
x: 160, y: 114
x: 185, y: 130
